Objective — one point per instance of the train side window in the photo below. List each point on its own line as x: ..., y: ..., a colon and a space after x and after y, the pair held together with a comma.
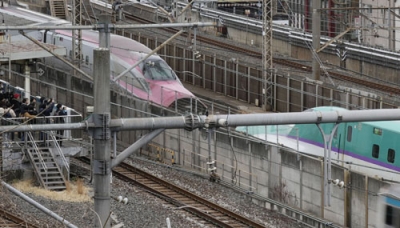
x: 349, y: 133
x: 377, y: 131
x: 391, y: 156
x: 87, y: 60
x: 389, y: 215
x: 375, y: 151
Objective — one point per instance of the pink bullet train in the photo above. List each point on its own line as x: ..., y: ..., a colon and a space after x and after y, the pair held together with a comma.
x: 152, y: 80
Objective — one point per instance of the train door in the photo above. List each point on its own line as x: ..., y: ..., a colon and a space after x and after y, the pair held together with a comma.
x: 48, y: 37
x: 339, y: 140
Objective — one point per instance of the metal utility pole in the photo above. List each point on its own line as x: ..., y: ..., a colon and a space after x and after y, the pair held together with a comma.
x: 27, y: 80
x: 316, y: 32
x: 77, y: 33
x: 267, y: 56
x: 101, y: 132
x: 390, y: 25
x: 76, y: 44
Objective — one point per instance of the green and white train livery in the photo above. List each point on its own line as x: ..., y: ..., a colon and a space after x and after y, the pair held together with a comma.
x: 372, y: 148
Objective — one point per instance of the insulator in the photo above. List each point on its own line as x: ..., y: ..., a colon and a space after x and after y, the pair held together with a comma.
x: 192, y: 122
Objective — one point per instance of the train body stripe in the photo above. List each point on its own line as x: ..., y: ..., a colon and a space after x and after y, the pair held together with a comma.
x: 349, y: 153
x: 392, y: 202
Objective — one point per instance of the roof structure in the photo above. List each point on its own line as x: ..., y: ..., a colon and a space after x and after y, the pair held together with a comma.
x: 22, y: 50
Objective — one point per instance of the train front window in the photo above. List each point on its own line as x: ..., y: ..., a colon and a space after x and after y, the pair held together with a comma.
x: 158, y: 70
x: 129, y: 77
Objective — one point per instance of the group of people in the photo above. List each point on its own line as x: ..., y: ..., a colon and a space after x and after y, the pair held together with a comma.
x: 11, y: 106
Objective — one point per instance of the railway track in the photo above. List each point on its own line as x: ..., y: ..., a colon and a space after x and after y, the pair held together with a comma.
x: 295, y: 65
x: 8, y: 219
x: 210, y: 213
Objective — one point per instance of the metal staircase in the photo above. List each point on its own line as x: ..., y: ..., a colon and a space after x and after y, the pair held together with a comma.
x: 43, y: 159
x: 44, y: 153
x: 46, y: 168
x: 89, y: 15
x: 58, y: 8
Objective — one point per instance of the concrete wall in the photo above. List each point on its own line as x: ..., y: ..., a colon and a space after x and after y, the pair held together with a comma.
x: 277, y: 173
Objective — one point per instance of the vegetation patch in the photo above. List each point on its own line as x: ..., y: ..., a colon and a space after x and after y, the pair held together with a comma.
x: 76, y: 191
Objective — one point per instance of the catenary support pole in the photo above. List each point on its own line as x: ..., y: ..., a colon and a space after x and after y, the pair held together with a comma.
x: 27, y: 81
x: 316, y: 32
x: 101, y: 135
x: 328, y: 138
x: 101, y: 132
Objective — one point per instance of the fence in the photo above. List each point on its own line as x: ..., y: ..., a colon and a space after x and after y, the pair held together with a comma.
x: 243, y: 81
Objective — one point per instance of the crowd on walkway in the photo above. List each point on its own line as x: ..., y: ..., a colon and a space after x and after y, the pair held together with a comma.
x: 11, y: 106
x: 25, y: 109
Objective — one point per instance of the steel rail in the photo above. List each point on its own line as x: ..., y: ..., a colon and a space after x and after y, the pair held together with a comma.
x: 181, y: 198
x: 14, y: 220
x: 230, y: 219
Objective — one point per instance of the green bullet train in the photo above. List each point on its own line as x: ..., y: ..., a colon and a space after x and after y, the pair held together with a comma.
x: 372, y: 148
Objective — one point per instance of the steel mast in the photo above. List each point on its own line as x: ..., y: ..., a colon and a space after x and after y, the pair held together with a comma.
x: 267, y: 79
x: 77, y: 34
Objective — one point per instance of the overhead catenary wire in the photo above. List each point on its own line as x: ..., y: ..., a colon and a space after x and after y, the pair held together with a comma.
x: 101, y: 26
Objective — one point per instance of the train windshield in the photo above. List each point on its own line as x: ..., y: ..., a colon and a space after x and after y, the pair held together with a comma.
x: 158, y: 70
x: 130, y: 78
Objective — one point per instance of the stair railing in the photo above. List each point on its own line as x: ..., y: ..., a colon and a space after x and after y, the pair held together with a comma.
x: 58, y: 148
x: 36, y: 149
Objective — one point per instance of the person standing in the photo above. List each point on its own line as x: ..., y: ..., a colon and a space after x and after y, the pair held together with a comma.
x: 32, y: 107
x: 16, y: 104
x: 25, y: 109
x: 60, y: 112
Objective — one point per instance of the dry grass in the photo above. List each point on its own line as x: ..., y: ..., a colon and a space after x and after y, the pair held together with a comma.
x: 76, y: 192
x: 68, y: 186
x: 80, y: 188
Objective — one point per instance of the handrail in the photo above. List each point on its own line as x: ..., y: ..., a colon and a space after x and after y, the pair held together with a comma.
x: 64, y: 160
x: 41, y: 160
x: 32, y: 140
